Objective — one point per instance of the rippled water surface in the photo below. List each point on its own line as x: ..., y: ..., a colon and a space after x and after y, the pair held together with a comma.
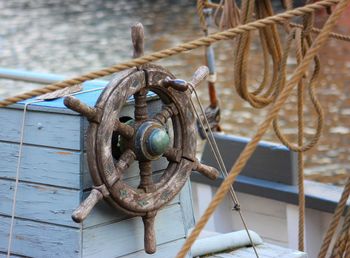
x: 74, y: 37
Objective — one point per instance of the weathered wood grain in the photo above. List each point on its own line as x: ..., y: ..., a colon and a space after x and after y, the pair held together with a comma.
x: 55, y: 205
x: 186, y: 202
x: 125, y: 237
x: 54, y: 166
x: 270, y: 161
x: 41, y: 165
x: 40, y: 202
x: 35, y: 239
x: 44, y: 129
x: 165, y: 250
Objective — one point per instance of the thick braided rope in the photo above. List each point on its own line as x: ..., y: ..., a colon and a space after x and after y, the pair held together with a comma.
x: 251, y: 146
x: 271, y: 48
x: 204, y: 41
x: 343, y: 238
x: 335, y: 220
x: 316, y: 30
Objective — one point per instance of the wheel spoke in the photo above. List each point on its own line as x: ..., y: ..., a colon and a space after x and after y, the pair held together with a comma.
x: 146, y: 181
x: 141, y: 112
x: 208, y: 171
x: 80, y: 107
x: 123, y: 129
x: 121, y: 165
x: 167, y: 112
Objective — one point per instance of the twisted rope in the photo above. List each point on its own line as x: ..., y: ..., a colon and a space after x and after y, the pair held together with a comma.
x: 251, y: 146
x: 335, y: 220
x: 203, y: 41
x: 317, y: 31
x: 271, y: 46
x: 339, y: 248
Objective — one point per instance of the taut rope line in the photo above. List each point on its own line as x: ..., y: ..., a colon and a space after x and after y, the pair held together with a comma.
x: 203, y: 41
x: 251, y: 146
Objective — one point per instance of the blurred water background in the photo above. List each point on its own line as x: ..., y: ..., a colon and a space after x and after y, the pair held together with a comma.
x: 70, y: 37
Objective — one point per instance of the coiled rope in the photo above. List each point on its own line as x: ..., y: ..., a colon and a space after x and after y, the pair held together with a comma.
x: 269, y: 88
x: 203, y: 41
x: 276, y: 106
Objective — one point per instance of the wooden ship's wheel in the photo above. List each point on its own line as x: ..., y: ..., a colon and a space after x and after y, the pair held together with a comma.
x: 112, y: 144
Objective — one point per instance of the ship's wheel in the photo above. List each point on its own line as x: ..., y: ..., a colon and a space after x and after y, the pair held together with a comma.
x: 113, y: 143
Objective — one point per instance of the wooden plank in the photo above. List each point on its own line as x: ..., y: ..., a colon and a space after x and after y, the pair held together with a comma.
x: 40, y: 202
x: 126, y: 237
x: 3, y: 255
x: 265, y: 206
x: 103, y: 213
x: 270, y: 161
x: 164, y: 250
x: 265, y: 225
x: 35, y: 239
x: 264, y: 251
x: 41, y: 165
x: 44, y: 129
x: 54, y: 166
x: 55, y: 205
x: 187, y: 206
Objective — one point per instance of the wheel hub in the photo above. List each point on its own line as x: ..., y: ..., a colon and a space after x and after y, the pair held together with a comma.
x: 150, y: 142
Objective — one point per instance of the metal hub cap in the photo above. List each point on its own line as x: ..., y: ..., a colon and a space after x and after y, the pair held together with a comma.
x: 151, y: 141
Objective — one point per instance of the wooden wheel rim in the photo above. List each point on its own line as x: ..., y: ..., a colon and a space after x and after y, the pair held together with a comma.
x: 101, y: 163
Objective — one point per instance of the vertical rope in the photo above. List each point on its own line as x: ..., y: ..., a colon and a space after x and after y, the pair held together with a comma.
x: 343, y: 238
x: 301, y: 192
x: 335, y: 220
x: 251, y: 146
x: 13, y: 211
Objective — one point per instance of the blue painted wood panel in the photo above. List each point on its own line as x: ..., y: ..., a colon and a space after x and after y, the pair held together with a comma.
x: 103, y: 213
x: 45, y: 129
x: 125, y: 237
x: 41, y: 165
x: 54, y: 166
x: 55, y: 205
x: 163, y: 251
x: 40, y: 202
x: 4, y: 255
x: 35, y: 239
x: 185, y: 198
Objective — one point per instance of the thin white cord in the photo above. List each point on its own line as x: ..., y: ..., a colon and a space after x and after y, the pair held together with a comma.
x: 17, y: 176
x: 219, y: 160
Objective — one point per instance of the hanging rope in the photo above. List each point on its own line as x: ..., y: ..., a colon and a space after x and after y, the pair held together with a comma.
x: 339, y: 211
x: 204, y: 41
x: 339, y: 249
x: 251, y: 146
x: 271, y: 47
